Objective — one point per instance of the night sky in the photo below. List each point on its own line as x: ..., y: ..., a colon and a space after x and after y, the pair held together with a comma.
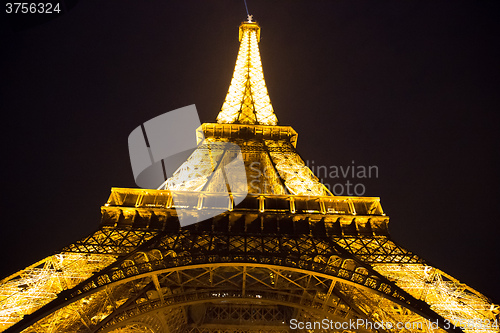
x: 408, y: 86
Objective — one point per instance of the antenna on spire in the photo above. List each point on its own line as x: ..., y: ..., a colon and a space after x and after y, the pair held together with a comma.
x: 248, y: 15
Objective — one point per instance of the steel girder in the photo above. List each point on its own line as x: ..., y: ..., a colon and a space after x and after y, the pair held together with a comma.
x: 165, y: 253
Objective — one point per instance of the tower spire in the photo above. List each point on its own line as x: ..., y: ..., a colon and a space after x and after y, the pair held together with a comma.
x: 247, y: 100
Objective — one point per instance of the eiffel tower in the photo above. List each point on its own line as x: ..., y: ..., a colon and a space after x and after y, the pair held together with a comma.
x: 290, y: 257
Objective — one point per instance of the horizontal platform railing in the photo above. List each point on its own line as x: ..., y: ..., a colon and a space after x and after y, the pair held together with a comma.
x: 296, y: 204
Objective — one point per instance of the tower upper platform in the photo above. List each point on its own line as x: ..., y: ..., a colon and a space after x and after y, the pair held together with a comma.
x: 272, y: 165
x: 247, y: 100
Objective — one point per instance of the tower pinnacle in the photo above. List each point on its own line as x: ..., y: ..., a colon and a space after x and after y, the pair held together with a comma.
x: 247, y: 100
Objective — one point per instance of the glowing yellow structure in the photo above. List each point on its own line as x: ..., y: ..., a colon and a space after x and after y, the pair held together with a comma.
x: 247, y: 100
x: 289, y: 253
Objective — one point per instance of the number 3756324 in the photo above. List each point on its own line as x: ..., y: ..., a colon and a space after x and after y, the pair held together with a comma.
x: 32, y: 8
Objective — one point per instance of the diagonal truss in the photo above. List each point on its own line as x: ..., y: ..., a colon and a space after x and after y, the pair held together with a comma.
x: 141, y: 265
x: 272, y: 167
x: 191, y: 266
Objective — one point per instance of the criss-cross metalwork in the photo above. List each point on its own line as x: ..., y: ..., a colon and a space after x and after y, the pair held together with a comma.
x: 288, y: 252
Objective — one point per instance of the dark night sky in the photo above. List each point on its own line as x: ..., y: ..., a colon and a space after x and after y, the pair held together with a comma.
x: 408, y: 86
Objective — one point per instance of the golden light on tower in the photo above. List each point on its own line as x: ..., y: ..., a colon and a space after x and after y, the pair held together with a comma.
x: 290, y: 250
x: 278, y: 170
x: 247, y: 100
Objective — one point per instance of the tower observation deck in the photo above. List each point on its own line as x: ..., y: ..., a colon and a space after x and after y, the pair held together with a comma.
x: 290, y: 256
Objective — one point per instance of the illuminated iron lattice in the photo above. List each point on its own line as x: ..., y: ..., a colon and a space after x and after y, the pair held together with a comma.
x: 247, y: 100
x: 289, y: 250
x: 272, y: 167
x: 35, y: 286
